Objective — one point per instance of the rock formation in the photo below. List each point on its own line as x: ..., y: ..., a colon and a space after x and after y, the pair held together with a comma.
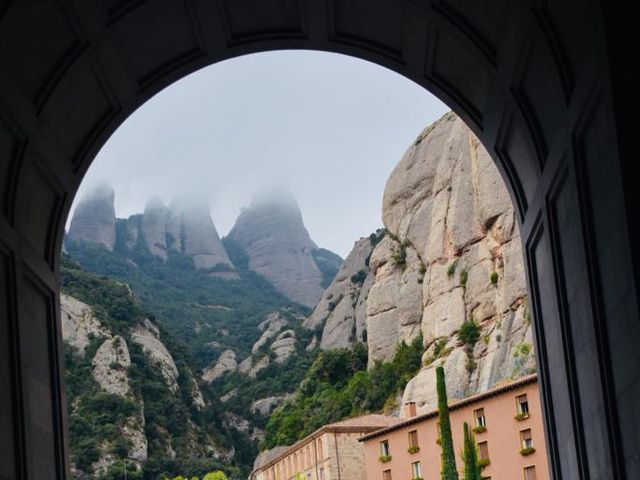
x: 184, y: 228
x: 269, y: 327
x: 148, y: 337
x: 198, y: 236
x: 110, y: 365
x: 273, y: 235
x: 79, y: 324
x: 94, y: 218
x: 343, y: 307
x: 153, y: 230
x: 451, y: 253
x: 226, y: 363
x: 284, y: 345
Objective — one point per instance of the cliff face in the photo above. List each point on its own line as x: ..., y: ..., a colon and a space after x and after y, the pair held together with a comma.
x: 114, y: 397
x: 451, y: 254
x: 343, y: 307
x: 109, y: 369
x: 94, y: 219
x: 273, y: 235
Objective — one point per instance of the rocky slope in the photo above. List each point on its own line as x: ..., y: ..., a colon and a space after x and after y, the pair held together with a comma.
x: 451, y: 254
x: 342, y: 309
x: 121, y: 378
x: 272, y: 233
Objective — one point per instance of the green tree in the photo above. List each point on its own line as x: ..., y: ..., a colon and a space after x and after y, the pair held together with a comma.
x: 217, y: 475
x: 449, y: 470
x: 470, y: 455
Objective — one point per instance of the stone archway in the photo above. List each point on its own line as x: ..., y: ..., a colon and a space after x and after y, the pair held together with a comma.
x: 544, y: 91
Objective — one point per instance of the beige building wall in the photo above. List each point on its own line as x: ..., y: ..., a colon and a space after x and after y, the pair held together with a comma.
x: 333, y: 452
x: 503, y: 437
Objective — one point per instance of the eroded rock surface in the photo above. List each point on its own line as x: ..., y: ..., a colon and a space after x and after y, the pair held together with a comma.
x: 446, y: 202
x: 273, y: 235
x: 284, y: 345
x: 226, y: 363
x: 342, y: 307
x: 79, y: 324
x: 148, y: 337
x: 451, y: 253
x: 110, y: 365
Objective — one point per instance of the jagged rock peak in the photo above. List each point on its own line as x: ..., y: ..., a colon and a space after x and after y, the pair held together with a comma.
x: 191, y: 231
x: 272, y: 233
x: 94, y: 219
x: 154, y: 227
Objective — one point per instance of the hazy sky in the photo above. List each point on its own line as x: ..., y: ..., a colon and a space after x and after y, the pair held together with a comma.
x: 330, y: 127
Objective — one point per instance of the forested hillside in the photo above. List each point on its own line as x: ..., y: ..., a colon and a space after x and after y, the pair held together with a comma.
x: 126, y: 410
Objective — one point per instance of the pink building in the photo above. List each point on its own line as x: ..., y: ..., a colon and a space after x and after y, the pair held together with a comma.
x: 509, y: 432
x: 332, y: 452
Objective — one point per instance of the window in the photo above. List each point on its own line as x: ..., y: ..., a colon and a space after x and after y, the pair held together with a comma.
x: 413, y: 438
x: 523, y: 405
x: 530, y: 473
x: 386, y: 475
x: 481, y: 421
x: 385, y: 451
x: 320, y: 454
x: 484, y: 450
x: 321, y: 473
x: 526, y: 440
x: 416, y: 470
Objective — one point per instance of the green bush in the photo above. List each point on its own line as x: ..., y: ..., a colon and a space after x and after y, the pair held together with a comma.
x: 494, y: 277
x: 451, y: 270
x: 464, y: 276
x: 399, y: 256
x: 358, y: 278
x: 469, y: 333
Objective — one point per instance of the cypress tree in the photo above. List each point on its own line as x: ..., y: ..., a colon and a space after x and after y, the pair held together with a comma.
x: 449, y: 470
x: 470, y: 455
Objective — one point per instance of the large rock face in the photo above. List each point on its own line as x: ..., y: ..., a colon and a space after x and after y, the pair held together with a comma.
x: 198, y: 236
x: 226, y: 363
x: 154, y: 227
x: 94, y: 219
x: 273, y: 235
x: 148, y: 337
x: 451, y: 253
x: 446, y: 203
x: 342, y: 307
x: 79, y: 325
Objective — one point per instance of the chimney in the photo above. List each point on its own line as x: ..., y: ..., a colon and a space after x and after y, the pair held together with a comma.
x: 410, y: 409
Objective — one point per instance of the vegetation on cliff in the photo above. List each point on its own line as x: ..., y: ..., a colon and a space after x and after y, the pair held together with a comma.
x: 337, y: 386
x: 97, y: 418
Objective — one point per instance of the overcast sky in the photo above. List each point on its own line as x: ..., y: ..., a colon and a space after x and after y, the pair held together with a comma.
x: 330, y: 127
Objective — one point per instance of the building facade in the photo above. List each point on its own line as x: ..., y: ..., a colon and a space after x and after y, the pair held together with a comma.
x: 508, y: 425
x: 332, y: 452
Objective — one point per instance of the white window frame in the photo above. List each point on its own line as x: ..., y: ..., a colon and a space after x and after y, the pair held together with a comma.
x: 416, y: 469
x: 385, y: 448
